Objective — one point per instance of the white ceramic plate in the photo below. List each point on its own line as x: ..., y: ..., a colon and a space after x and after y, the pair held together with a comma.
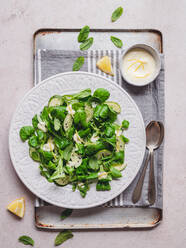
x: 33, y: 103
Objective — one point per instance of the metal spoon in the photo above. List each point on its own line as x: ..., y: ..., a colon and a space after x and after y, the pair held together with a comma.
x: 154, y: 138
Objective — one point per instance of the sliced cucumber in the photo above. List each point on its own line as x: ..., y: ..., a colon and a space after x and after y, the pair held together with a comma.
x: 115, y: 106
x: 120, y: 167
x: 67, y: 122
x: 55, y: 101
x: 103, y: 153
x: 89, y: 112
x: 62, y: 181
x: 120, y: 145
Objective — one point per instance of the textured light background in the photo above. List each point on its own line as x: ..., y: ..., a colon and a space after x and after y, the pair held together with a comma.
x: 19, y: 19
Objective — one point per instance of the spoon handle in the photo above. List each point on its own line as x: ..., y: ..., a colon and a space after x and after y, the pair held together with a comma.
x: 138, y: 189
x: 152, y: 188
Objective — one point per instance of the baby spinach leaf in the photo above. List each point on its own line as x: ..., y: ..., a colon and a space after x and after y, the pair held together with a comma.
x: 104, y: 112
x: 103, y: 186
x: 57, y: 124
x: 86, y: 44
x: 62, y: 237
x: 33, y: 141
x: 117, y: 42
x: 26, y: 132
x: 115, y: 173
x: 125, y: 124
x: 101, y: 94
x: 35, y: 121
x: 66, y: 213
x: 109, y: 131
x: 93, y: 163
x: 67, y: 152
x: 125, y: 139
x: 78, y: 63
x: 61, y: 143
x: 116, y: 14
x: 82, y: 94
x: 34, y: 154
x: 83, y: 34
x: 26, y: 240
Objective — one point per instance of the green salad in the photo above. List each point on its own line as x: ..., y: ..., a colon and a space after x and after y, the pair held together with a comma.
x: 76, y: 140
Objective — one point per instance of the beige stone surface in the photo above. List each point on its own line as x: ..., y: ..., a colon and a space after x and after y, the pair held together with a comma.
x: 19, y: 19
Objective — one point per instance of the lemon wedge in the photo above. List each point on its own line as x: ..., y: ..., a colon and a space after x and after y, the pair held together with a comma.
x: 17, y: 207
x: 104, y: 64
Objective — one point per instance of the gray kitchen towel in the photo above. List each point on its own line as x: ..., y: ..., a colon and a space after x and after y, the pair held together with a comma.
x: 150, y: 100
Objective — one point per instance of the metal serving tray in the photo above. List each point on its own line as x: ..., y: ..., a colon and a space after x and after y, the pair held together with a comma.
x: 48, y: 217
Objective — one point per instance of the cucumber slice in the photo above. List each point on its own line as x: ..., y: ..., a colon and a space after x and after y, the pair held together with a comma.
x: 103, y: 153
x: 120, y: 145
x: 115, y: 106
x: 55, y: 101
x: 120, y: 167
x: 89, y: 112
x: 62, y: 181
x: 67, y: 122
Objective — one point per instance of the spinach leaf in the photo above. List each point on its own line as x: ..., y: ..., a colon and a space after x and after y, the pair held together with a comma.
x: 67, y: 152
x: 93, y: 163
x: 61, y: 143
x: 82, y: 94
x: 101, y: 94
x: 26, y: 240
x: 78, y: 63
x: 35, y: 121
x: 83, y: 34
x: 58, y: 112
x: 57, y: 124
x: 80, y: 118
x: 26, y: 132
x: 41, y: 136
x: 86, y: 44
x: 62, y: 237
x: 125, y: 124
x: 66, y: 213
x: 104, y: 112
x: 115, y: 173
x: 93, y: 148
x: 47, y: 156
x: 118, y: 157
x: 116, y: 14
x: 125, y: 139
x: 33, y: 141
x: 34, y: 154
x: 103, y: 186
x: 84, y: 133
x: 117, y: 42
x: 109, y: 131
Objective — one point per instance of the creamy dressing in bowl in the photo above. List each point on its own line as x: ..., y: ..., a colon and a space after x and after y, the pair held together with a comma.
x: 140, y: 65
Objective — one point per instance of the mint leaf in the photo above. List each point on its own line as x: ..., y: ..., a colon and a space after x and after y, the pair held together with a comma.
x: 86, y: 44
x: 116, y: 14
x: 116, y: 41
x: 62, y: 237
x: 26, y: 240
x: 66, y: 213
x: 78, y: 63
x: 83, y: 34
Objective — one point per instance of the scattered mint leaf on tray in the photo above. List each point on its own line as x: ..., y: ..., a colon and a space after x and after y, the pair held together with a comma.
x: 66, y: 213
x: 83, y: 34
x: 62, y: 237
x: 116, y: 14
x: 26, y: 240
x: 78, y: 63
x: 116, y: 41
x: 87, y: 44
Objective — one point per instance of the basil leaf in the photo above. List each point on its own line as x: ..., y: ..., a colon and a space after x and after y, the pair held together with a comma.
x: 78, y: 63
x: 26, y: 240
x: 86, y: 44
x: 62, y: 237
x: 66, y: 213
x: 117, y: 42
x: 83, y: 35
x: 116, y: 14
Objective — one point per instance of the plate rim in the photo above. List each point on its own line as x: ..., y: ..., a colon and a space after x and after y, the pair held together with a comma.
x: 37, y: 86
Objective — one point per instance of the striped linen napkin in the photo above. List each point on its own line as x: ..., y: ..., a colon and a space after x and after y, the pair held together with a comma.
x: 150, y: 100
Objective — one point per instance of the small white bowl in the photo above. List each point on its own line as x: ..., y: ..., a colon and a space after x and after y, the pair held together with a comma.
x: 156, y: 57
